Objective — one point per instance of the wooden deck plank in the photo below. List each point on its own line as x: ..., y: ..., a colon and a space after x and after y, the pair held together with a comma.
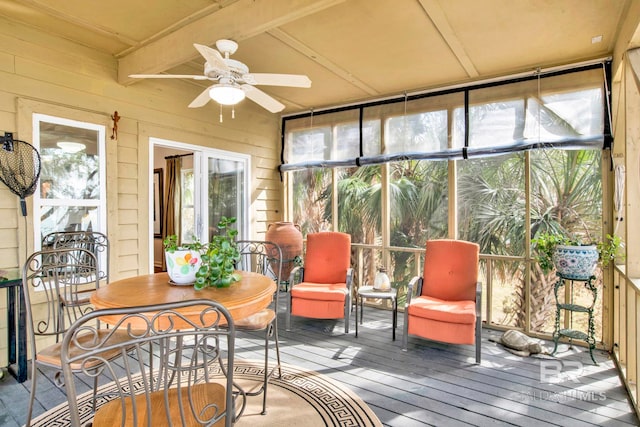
x: 431, y: 384
x: 456, y: 364
x: 513, y: 387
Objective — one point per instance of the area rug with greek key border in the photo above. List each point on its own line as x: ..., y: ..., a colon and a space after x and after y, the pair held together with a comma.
x: 299, y: 398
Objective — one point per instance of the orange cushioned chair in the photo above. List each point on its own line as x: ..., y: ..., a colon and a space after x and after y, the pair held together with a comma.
x: 446, y: 306
x: 324, y: 291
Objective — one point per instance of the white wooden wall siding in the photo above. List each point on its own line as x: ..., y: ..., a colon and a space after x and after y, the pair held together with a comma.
x: 623, y: 320
x: 43, y: 74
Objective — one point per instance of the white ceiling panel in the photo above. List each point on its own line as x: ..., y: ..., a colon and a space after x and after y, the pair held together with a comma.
x: 352, y: 50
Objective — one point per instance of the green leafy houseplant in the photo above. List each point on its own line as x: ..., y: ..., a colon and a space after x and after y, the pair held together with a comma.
x: 545, y: 245
x: 171, y: 244
x: 217, y: 260
x: 220, y: 258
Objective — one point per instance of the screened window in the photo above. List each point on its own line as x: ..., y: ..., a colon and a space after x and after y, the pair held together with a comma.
x: 464, y: 165
x: 71, y: 194
x: 418, y: 201
x: 564, y: 110
x: 360, y: 187
x: 310, y: 145
x: 312, y: 200
x: 491, y: 124
x: 417, y: 132
x: 491, y: 203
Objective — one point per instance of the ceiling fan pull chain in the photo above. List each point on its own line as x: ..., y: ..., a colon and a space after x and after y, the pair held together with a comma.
x: 220, y: 113
x: 233, y: 112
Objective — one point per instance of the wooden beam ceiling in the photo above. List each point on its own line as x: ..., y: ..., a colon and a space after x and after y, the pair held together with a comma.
x: 177, y: 47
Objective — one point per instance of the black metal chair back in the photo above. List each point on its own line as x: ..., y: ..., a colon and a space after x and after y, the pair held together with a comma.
x: 263, y: 257
x: 179, y: 373
x: 49, y: 278
x: 93, y: 241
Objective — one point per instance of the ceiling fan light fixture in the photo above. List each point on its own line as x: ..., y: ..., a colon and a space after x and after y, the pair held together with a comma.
x: 226, y: 94
x: 71, y: 147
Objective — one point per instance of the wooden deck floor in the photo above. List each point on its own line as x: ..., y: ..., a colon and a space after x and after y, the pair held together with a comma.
x: 431, y: 384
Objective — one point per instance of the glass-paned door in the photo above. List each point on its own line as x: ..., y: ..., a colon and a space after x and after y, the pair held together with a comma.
x: 187, y: 206
x: 225, y: 183
x: 210, y: 184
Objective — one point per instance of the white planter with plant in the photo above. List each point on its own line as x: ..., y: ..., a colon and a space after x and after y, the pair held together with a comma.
x: 204, y: 265
x: 183, y: 261
x: 571, y: 259
x: 575, y: 261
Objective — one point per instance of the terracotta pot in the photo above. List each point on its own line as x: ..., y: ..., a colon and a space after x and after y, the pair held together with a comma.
x: 289, y: 237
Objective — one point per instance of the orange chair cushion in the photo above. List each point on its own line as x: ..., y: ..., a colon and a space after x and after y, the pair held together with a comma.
x: 328, y: 257
x: 320, y: 291
x: 317, y: 309
x: 453, y: 333
x: 319, y: 300
x: 463, y: 312
x: 451, y: 270
x: 447, y: 321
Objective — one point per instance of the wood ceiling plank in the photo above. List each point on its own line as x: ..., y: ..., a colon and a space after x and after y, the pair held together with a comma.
x: 177, y: 47
x: 436, y: 14
x: 212, y: 8
x: 102, y: 30
x: 326, y: 63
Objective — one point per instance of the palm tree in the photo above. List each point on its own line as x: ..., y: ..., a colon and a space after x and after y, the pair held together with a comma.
x: 566, y: 194
x: 309, y: 204
x: 418, y: 200
x: 491, y: 212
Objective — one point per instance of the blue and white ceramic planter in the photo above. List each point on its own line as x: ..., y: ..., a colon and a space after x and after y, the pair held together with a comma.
x: 576, y: 262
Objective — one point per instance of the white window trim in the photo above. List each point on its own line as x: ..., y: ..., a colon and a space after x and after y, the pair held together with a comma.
x: 200, y: 156
x: 100, y: 203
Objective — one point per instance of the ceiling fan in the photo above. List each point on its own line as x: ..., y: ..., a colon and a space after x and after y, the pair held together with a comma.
x: 234, y: 81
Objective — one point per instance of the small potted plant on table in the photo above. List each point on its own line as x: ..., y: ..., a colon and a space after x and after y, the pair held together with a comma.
x: 204, y: 264
x: 183, y: 260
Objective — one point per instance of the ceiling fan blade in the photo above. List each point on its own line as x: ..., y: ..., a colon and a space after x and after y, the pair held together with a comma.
x: 262, y: 99
x: 213, y: 57
x: 168, y: 76
x: 202, y: 99
x: 292, y: 80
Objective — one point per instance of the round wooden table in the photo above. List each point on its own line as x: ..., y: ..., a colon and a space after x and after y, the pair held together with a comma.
x: 242, y: 299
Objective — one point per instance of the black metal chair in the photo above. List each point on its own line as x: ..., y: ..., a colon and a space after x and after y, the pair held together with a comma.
x: 263, y: 257
x: 95, y: 242
x: 47, y: 278
x: 172, y: 380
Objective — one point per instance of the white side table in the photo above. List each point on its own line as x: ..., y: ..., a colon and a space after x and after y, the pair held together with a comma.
x: 369, y: 292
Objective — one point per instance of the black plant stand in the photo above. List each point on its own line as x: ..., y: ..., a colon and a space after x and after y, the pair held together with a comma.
x: 570, y: 308
x: 16, y: 324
